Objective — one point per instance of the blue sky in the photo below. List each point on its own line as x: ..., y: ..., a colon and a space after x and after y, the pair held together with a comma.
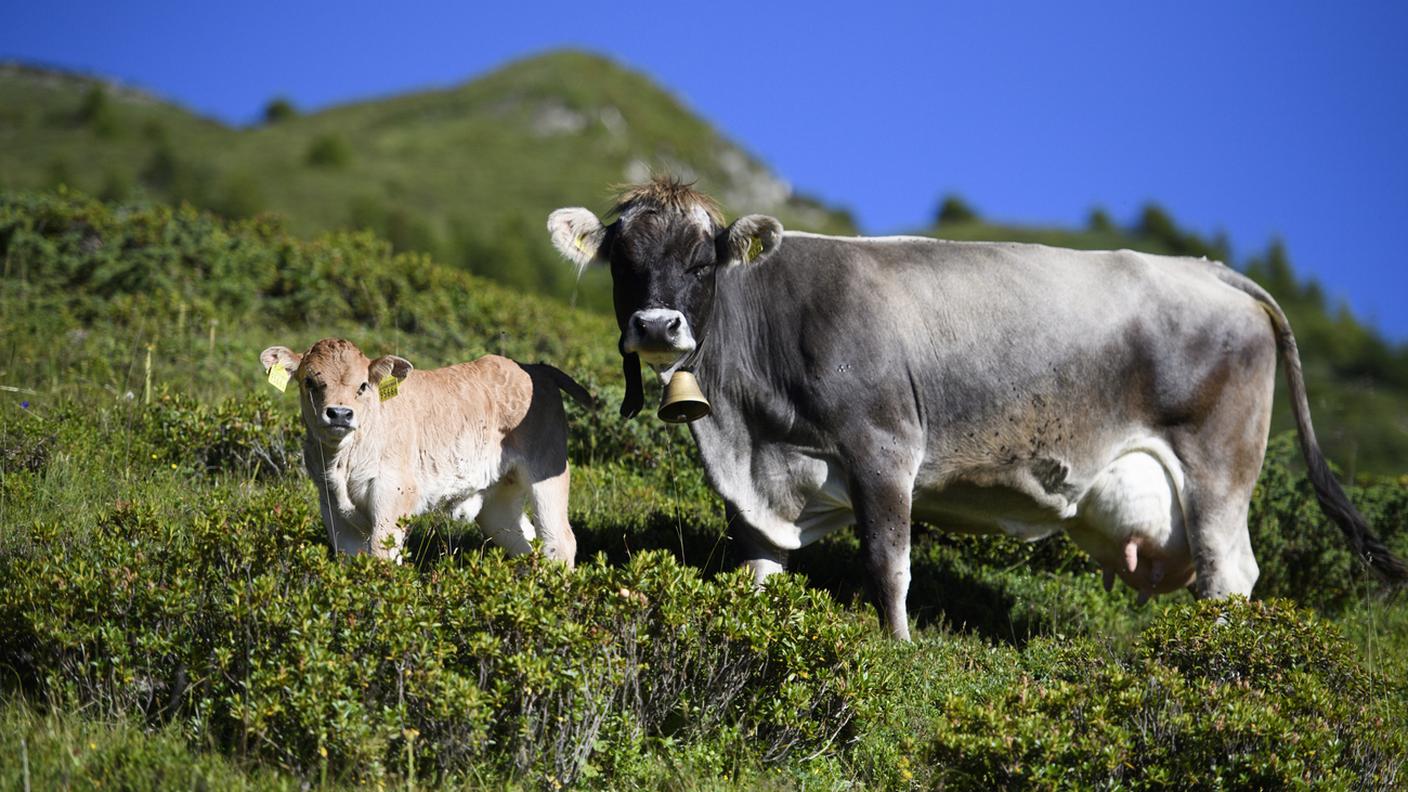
x: 1255, y: 118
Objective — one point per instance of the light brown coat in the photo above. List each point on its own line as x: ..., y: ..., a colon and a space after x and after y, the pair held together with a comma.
x: 477, y: 439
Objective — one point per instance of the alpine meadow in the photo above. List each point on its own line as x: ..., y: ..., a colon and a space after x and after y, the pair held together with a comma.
x: 171, y: 615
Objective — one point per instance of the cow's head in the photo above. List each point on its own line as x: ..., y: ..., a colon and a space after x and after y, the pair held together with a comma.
x: 337, y: 385
x: 665, y: 248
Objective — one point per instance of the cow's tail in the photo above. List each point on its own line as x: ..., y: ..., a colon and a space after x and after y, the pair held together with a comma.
x: 569, y: 386
x: 1333, y: 501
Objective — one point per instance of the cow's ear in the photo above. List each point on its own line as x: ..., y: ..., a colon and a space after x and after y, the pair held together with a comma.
x: 280, y: 356
x: 749, y: 240
x: 393, y: 365
x: 577, y: 234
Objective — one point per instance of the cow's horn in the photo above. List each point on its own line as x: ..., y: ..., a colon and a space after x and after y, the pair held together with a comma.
x: 683, y: 401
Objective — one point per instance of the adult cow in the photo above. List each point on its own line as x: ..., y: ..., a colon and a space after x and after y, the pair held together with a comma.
x: 986, y: 387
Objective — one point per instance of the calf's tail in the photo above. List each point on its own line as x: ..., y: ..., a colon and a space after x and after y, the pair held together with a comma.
x: 569, y: 386
x: 1333, y: 501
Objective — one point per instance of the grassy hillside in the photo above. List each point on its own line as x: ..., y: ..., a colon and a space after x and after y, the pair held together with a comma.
x: 169, y: 615
x: 467, y: 173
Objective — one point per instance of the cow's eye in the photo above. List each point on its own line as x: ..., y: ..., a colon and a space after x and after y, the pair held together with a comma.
x: 365, y: 386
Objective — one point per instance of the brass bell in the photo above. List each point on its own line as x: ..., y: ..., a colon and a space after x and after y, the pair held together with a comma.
x: 683, y: 401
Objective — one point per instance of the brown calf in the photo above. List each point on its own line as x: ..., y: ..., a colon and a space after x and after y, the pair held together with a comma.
x: 477, y: 439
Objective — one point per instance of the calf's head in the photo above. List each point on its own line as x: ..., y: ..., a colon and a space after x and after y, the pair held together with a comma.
x: 337, y: 384
x: 665, y: 248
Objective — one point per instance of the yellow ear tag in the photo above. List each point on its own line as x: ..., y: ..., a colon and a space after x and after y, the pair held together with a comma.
x: 581, y: 243
x: 278, y: 377
x: 387, y: 388
x: 755, y: 249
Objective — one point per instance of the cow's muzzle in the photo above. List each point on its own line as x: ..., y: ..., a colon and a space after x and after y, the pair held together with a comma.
x: 658, y: 335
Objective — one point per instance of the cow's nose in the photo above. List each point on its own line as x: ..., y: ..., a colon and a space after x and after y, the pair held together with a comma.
x: 658, y: 325
x: 657, y: 332
x: 339, y: 415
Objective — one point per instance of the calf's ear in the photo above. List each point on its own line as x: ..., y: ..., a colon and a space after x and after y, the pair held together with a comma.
x: 388, y: 365
x: 749, y: 240
x: 280, y: 356
x: 577, y: 235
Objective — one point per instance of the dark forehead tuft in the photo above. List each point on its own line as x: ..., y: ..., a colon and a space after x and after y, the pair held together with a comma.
x: 667, y: 192
x: 331, y: 352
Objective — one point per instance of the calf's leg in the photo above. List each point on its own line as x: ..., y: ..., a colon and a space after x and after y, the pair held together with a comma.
x: 503, y: 520
x: 343, y: 536
x: 549, y: 499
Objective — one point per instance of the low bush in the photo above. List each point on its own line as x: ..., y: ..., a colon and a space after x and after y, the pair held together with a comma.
x: 329, y: 151
x: 148, y: 270
x: 1217, y: 695
x: 26, y: 442
x: 249, y: 436
x: 1301, y: 554
x: 238, y: 627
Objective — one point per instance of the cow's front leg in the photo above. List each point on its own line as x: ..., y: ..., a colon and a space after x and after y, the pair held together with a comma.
x: 755, y: 552
x: 883, y: 522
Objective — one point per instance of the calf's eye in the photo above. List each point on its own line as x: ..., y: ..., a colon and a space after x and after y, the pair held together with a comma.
x: 365, y: 386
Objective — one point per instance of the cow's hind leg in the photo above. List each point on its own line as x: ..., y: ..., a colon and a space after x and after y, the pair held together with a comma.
x: 549, y: 499
x: 1222, y: 457
x: 883, y: 522
x: 1221, y: 545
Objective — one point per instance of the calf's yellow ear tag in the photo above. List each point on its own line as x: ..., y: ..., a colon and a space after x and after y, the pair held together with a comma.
x: 387, y: 388
x: 278, y: 377
x: 581, y: 243
x: 755, y: 249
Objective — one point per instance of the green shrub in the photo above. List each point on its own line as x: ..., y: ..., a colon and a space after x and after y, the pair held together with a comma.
x: 236, y: 624
x: 279, y: 109
x: 239, y: 195
x: 1301, y: 554
x: 26, y: 442
x: 96, y: 112
x: 246, y: 436
x: 1220, y: 695
x: 953, y: 210
x: 329, y: 151
x: 146, y: 266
